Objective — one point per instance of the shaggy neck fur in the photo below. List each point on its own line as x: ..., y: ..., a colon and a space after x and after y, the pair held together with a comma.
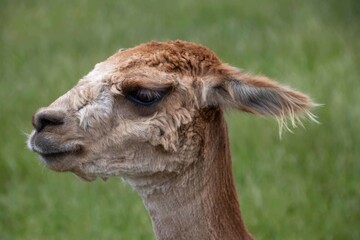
x: 202, y: 202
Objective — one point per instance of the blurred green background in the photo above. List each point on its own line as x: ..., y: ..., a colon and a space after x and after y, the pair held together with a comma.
x: 305, y: 186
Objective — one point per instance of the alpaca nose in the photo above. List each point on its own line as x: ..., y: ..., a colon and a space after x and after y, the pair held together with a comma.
x: 46, y: 117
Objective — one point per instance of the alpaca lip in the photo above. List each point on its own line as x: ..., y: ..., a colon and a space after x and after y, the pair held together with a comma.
x: 59, y: 162
x: 56, y: 151
x: 60, y: 153
x: 50, y: 148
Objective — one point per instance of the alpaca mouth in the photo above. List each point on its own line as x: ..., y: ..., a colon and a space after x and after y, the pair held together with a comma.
x: 60, y: 154
x: 52, y: 148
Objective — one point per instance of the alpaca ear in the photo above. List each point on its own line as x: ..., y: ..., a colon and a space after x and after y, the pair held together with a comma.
x: 257, y: 94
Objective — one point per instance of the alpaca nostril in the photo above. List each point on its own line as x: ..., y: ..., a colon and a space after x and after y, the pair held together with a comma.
x: 43, y: 118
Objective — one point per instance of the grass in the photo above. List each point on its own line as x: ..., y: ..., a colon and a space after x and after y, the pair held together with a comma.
x: 305, y: 186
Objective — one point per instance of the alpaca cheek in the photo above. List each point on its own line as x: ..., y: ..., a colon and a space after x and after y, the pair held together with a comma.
x: 165, y: 129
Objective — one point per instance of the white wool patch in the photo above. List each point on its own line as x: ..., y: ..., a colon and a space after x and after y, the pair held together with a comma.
x: 97, y: 111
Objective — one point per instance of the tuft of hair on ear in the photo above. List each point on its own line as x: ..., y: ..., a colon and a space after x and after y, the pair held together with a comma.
x: 262, y: 96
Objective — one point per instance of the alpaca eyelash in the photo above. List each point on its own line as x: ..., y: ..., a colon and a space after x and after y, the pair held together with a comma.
x: 145, y: 97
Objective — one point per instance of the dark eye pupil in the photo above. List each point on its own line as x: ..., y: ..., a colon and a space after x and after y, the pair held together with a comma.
x: 145, y: 97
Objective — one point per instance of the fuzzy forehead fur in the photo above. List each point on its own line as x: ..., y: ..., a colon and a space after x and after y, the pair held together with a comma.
x: 172, y: 57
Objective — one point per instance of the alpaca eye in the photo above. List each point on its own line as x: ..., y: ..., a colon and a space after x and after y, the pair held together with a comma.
x: 145, y: 97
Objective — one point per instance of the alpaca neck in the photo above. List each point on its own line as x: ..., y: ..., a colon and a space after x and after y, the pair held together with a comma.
x: 202, y: 202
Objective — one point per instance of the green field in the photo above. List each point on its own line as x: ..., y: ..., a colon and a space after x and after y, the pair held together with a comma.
x: 303, y: 186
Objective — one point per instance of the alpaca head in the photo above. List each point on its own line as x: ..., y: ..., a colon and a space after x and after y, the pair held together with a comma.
x: 140, y: 112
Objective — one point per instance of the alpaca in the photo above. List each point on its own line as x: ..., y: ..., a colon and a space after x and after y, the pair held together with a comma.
x: 153, y: 115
